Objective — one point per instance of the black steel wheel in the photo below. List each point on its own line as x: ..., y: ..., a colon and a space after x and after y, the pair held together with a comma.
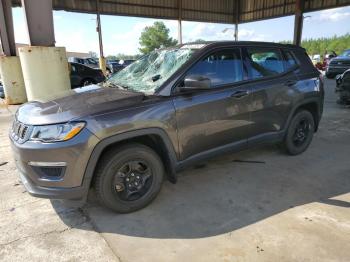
x: 128, y: 178
x: 300, y: 132
x: 132, y: 180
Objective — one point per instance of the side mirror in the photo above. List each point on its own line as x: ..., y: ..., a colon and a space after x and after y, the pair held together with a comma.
x: 196, y: 82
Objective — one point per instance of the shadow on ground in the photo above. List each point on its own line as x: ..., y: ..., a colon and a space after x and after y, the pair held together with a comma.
x: 224, y: 196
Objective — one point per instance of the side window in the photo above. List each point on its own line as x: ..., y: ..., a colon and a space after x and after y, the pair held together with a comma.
x: 264, y: 62
x: 221, y: 67
x: 290, y: 60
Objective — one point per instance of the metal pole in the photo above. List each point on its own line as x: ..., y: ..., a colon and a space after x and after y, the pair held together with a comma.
x: 98, y: 28
x: 6, y: 28
x: 180, y: 22
x: 237, y: 19
x: 236, y: 32
x: 298, y: 22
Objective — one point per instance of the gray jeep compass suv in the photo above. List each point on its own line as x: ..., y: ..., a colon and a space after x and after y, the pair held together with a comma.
x: 168, y: 110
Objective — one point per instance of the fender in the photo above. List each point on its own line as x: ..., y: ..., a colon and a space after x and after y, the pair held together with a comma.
x: 104, y: 143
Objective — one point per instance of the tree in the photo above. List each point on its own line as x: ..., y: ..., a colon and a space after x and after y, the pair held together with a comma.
x: 154, y: 37
x: 199, y: 41
x: 321, y: 45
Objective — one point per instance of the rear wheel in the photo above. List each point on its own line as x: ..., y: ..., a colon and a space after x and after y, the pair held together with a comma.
x: 128, y: 178
x: 300, y: 132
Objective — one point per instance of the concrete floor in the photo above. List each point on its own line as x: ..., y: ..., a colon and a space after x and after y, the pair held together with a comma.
x: 284, y: 209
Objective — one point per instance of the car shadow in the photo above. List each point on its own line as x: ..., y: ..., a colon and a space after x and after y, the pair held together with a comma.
x: 223, y: 195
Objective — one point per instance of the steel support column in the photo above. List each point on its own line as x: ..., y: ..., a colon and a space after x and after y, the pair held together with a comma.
x: 237, y: 6
x: 7, y: 36
x: 179, y: 30
x: 98, y: 27
x: 39, y: 18
x: 298, y: 22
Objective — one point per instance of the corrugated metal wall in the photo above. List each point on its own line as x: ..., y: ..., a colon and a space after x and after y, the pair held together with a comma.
x: 216, y: 11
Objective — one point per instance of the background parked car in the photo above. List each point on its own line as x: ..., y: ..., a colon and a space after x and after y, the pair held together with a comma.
x: 126, y: 62
x: 114, y: 66
x: 82, y: 75
x: 316, y: 59
x: 326, y: 60
x: 2, y: 93
x: 90, y: 62
x: 343, y: 88
x: 84, y: 61
x: 339, y: 64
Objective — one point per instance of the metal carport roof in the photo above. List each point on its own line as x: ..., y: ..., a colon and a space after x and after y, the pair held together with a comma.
x: 216, y: 11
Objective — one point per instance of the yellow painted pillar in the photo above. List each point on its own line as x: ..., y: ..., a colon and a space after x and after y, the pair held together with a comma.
x: 45, y: 71
x: 102, y: 61
x: 12, y: 79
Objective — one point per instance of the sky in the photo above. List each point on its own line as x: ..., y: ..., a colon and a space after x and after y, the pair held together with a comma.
x: 77, y: 32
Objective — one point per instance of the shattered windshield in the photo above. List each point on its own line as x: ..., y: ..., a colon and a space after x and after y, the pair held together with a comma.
x: 152, y: 70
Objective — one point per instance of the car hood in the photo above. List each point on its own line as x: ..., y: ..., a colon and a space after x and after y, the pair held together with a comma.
x: 76, y: 103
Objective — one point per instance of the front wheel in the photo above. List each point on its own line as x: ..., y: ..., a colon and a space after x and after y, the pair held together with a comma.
x: 300, y: 132
x: 128, y: 178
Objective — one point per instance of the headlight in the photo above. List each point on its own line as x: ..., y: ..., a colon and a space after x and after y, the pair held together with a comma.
x: 55, y: 133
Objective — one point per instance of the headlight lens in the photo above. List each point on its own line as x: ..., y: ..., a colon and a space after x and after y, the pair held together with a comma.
x: 55, y: 133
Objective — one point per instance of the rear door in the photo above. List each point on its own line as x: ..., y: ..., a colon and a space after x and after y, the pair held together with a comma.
x: 272, y: 89
x: 217, y: 117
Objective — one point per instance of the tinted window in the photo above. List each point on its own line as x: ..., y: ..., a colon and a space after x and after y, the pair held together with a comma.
x: 78, y: 68
x: 290, y: 60
x: 265, y: 62
x: 222, y: 67
x: 91, y: 61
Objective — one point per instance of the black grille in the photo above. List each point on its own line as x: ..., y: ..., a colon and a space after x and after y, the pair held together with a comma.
x: 19, y: 130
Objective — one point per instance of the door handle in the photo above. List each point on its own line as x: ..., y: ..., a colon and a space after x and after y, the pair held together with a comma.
x: 240, y: 93
x: 290, y: 83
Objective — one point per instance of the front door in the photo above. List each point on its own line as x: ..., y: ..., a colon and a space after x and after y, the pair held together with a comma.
x: 217, y: 117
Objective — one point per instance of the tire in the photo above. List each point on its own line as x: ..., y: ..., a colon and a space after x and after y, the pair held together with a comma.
x: 114, y: 170
x: 87, y: 81
x: 297, y: 141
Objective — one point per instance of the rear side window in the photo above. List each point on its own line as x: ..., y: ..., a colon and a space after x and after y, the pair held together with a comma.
x: 290, y: 60
x: 265, y: 62
x: 222, y: 67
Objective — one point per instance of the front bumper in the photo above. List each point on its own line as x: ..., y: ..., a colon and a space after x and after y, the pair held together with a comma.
x: 70, y: 183
x: 75, y: 193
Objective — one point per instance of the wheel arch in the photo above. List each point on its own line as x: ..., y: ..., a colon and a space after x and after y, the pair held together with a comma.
x: 312, y: 105
x: 155, y: 138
